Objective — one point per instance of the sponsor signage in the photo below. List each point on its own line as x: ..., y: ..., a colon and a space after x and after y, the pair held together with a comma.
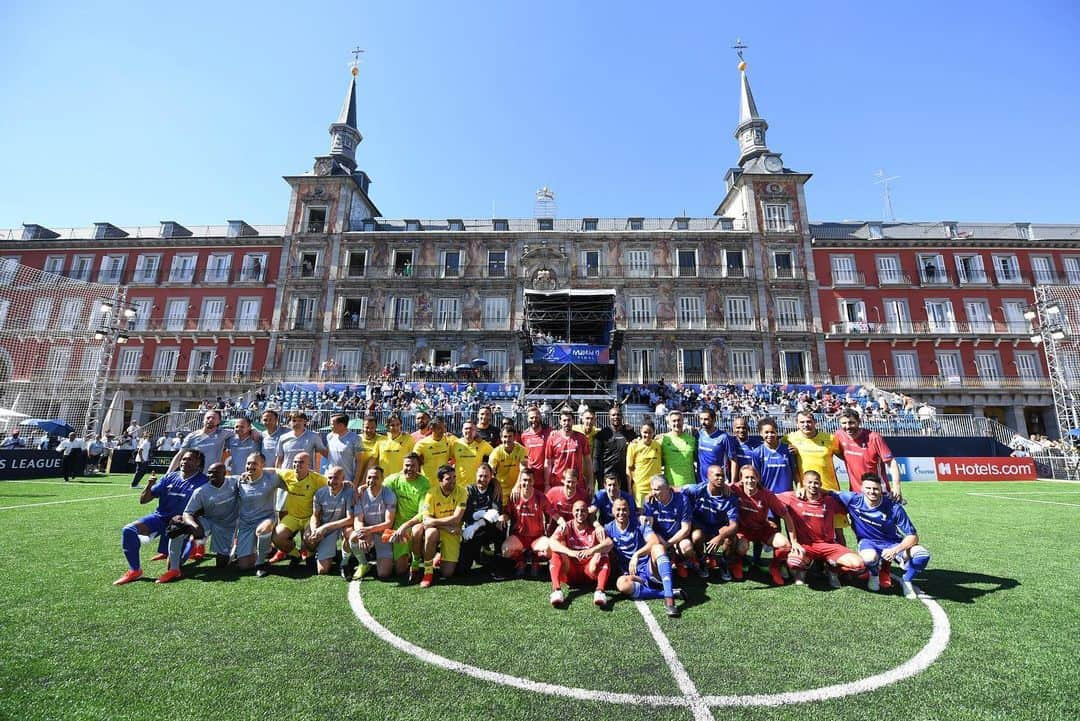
x: 985, y: 469
x: 17, y: 464
x: 571, y: 353
x: 917, y: 468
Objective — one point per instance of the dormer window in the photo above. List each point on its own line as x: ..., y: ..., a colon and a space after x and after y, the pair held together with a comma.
x: 368, y: 225
x: 636, y: 223
x: 682, y: 224
x: 546, y: 223
x: 316, y: 220
x: 456, y: 225
x: 875, y: 231
x: 588, y: 224
x: 413, y: 226
x: 500, y: 225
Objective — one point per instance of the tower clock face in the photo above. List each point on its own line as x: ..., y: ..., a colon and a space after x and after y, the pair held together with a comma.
x: 773, y: 164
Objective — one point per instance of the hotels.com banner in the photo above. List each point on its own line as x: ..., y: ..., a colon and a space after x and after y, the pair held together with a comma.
x: 986, y: 469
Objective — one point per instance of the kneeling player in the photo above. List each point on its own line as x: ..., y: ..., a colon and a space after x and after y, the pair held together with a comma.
x: 755, y: 504
x: 578, y: 556
x: 302, y: 483
x: 885, y: 534
x: 641, y: 560
x: 373, y: 519
x: 813, y: 534
x: 442, y: 512
x: 256, y: 489
x: 331, y: 515
x: 606, y: 497
x: 211, y: 511
x: 668, y: 514
x: 528, y: 512
x: 714, y: 516
x: 485, y: 531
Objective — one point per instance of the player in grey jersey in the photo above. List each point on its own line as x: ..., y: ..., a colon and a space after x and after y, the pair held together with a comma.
x: 331, y: 514
x: 374, y: 512
x: 257, y: 490
x: 344, y: 448
x: 299, y: 440
x: 211, y: 511
x: 210, y: 439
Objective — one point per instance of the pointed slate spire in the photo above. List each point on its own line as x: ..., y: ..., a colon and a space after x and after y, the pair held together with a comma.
x: 347, y: 116
x: 751, y: 129
x: 747, y: 106
x: 344, y: 135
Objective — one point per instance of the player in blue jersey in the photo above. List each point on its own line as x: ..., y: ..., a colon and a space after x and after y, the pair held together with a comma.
x: 211, y: 511
x: 885, y: 534
x: 668, y: 514
x: 605, y: 498
x: 742, y: 447
x: 714, y: 518
x: 773, y: 459
x: 173, y: 490
x: 640, y: 559
x: 714, y: 447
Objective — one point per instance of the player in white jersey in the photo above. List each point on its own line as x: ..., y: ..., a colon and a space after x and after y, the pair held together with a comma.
x: 331, y: 513
x: 257, y: 492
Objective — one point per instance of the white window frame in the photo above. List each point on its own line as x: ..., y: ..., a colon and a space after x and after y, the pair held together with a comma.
x: 643, y: 365
x: 638, y: 263
x: 496, y: 313
x: 247, y: 266
x: 241, y: 361
x: 889, y: 272
x: 937, y: 261
x: 40, y: 312
x: 54, y: 264
x: 111, y: 270
x: 81, y: 267
x: 789, y: 313
x: 852, y: 313
x: 738, y: 312
x: 217, y: 272
x: 130, y: 360
x: 742, y: 364
x: 176, y: 312
x: 209, y: 321
x: 896, y: 315
x: 498, y: 361
x: 196, y: 358
x: 977, y: 312
x: 1013, y: 312
x: 448, y: 313
x: 970, y: 269
x: 297, y: 362
x: 144, y: 309
x: 691, y: 312
x: 1007, y: 269
x: 778, y: 218
x: 843, y: 269
x: 681, y: 360
x: 496, y: 264
x: 730, y: 253
x: 906, y: 365
x: 788, y: 273
x: 1028, y: 367
x: 591, y: 270
x: 988, y: 365
x: 1071, y: 263
x: 641, y: 311
x: 350, y: 362
x: 950, y: 365
x: 305, y: 312
x: 57, y: 363
x: 90, y: 361
x: 360, y: 322
x: 5, y: 305
x: 445, y: 271
x: 308, y: 223
x: 179, y: 272
x: 399, y: 313
x: 70, y: 311
x: 1046, y: 274
x: 859, y: 364
x: 147, y: 268
x: 943, y: 321
x: 691, y: 271
x: 247, y: 321
x: 166, y: 362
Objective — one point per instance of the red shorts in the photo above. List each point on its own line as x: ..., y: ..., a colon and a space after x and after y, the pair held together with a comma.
x: 576, y: 572
x: 526, y: 541
x: 757, y: 534
x: 824, y: 551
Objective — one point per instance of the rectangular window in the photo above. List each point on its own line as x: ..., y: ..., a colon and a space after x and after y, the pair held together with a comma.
x: 400, y: 357
x: 1007, y: 269
x: 498, y: 362
x: 978, y: 316
x: 1042, y: 267
x: 350, y: 363
x: 738, y: 315
x: 691, y: 312
x: 500, y: 225
x: 906, y: 365
x: 546, y: 224
x: 4, y: 305
x: 988, y: 365
x: 80, y: 267
x: 143, y: 308
x: 734, y: 265
x: 858, y: 366
x: 354, y: 313
x: 843, y: 270
x: 357, y: 267
x: 1027, y: 366
x: 969, y: 269
x: 91, y: 361
x: 639, y: 263
x: 496, y: 265
x: 496, y: 313
x: 217, y: 268
x: 641, y: 311
x: 298, y: 363
x: 1072, y: 270
x: 897, y: 315
x: 247, y: 314
x: 789, y: 314
x: 637, y: 223
x: 253, y: 267
x: 932, y: 269
x: 778, y: 218
x: 201, y: 365
x: 590, y: 263
x: 240, y: 363
x: 213, y: 311
x: 309, y: 265
x: 403, y: 263
x: 939, y: 316
x: 316, y: 220
x: 888, y: 270
x: 54, y: 264
x: 100, y: 312
x: 742, y: 365
x: 783, y: 264
x: 793, y: 366
x: 643, y: 364
x: 1014, y: 317
x: 451, y: 264
x: 692, y: 365
x: 303, y: 314
x: 39, y: 313
x: 176, y: 313
x: 949, y: 366
x: 448, y: 314
x: 130, y: 360
x: 70, y: 310
x: 8, y: 268
x: 682, y: 224
x: 112, y: 269
x: 183, y: 268
x: 687, y: 260
x: 589, y: 224
x: 165, y: 364
x: 853, y: 316
x: 146, y: 269
x: 399, y: 313
x: 57, y: 363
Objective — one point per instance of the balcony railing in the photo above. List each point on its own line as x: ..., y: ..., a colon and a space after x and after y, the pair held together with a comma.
x: 798, y: 325
x: 175, y: 324
x: 933, y: 328
x: 663, y: 270
x: 786, y: 273
x: 145, y: 276
x: 844, y: 277
x: 893, y: 382
x: 1013, y: 279
x: 182, y: 276
x: 306, y: 271
x: 934, y: 276
x: 894, y: 279
x: 302, y: 322
x: 168, y: 375
x: 974, y: 277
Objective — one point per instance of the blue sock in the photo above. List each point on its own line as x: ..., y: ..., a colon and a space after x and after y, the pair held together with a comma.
x: 643, y: 592
x: 663, y: 565
x: 916, y: 565
x: 129, y: 541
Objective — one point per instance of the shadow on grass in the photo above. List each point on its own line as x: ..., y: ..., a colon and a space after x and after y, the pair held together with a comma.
x: 962, y: 586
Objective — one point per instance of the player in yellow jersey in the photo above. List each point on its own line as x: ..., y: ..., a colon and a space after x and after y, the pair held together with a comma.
x: 643, y: 461
x: 814, y: 451
x: 469, y: 452
x: 442, y: 513
x: 506, y: 460
x: 394, y: 446
x: 434, y: 450
x: 301, y: 483
x: 370, y: 439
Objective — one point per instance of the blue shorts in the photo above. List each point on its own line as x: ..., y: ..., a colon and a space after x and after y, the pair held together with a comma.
x: 709, y: 531
x: 867, y: 544
x: 644, y: 571
x: 155, y: 522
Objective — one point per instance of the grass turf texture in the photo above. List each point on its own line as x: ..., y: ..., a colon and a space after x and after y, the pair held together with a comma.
x: 288, y: 646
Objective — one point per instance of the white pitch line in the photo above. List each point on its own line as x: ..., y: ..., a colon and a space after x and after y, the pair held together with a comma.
x: 1023, y: 500
x: 686, y: 685
x: 1034, y: 493
x: 56, y: 503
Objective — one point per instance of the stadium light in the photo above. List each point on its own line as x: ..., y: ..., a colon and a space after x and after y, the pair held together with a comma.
x: 1053, y: 308
x: 1030, y: 313
x: 1057, y: 333
x: 106, y: 306
x: 1036, y: 339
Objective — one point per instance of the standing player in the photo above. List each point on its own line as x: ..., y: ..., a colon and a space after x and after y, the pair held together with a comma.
x: 535, y: 438
x: 410, y: 488
x: 394, y: 446
x: 605, y: 499
x: 423, y: 426
x: 506, y: 460
x: 609, y: 448
x: 257, y: 491
x: 343, y: 448
x: 566, y: 449
x: 435, y: 450
x: 756, y: 505
x: 173, y: 490
x: 469, y: 452
x: 714, y: 447
x: 331, y: 515
x: 143, y: 455
x: 642, y: 560
x: 643, y: 461
x: 443, y: 511
x: 714, y: 518
x: 369, y: 442
x: 271, y: 435
x: 814, y: 451
x: 211, y: 511
x: 588, y: 428
x: 528, y: 512
x: 742, y: 446
x: 208, y: 440
x: 813, y: 535
x: 483, y: 510
x: 484, y: 428
x: 578, y: 556
x: 865, y: 452
x: 668, y: 514
x: 678, y: 450
x: 240, y: 445
x: 301, y: 483
x: 885, y: 534
x: 373, y: 515
x: 299, y: 440
x: 773, y: 459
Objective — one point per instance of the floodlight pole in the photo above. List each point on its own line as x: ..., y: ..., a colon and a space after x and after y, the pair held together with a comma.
x: 1065, y: 409
x: 110, y: 332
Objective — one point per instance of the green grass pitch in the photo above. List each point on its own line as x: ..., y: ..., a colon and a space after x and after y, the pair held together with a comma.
x: 289, y: 646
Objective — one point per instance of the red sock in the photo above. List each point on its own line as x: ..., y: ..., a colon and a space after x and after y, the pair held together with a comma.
x: 555, y: 566
x: 603, y: 571
x: 779, y: 557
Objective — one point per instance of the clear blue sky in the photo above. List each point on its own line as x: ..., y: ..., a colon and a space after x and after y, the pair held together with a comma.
x: 138, y: 112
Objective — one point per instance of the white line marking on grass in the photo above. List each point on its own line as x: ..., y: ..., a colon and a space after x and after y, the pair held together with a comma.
x: 686, y: 685
x: 56, y: 503
x: 1056, y: 480
x: 1034, y: 493
x: 1014, y: 497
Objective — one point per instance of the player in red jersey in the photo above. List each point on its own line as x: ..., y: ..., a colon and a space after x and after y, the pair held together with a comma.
x: 534, y: 438
x: 813, y: 534
x: 578, y: 553
x: 528, y: 512
x: 568, y: 449
x: 755, y: 504
x: 563, y: 496
x: 866, y: 452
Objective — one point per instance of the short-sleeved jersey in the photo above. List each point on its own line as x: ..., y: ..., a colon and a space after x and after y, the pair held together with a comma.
x: 270, y: 444
x: 678, y: 454
x: 866, y: 452
x: 564, y: 452
x: 576, y: 539
x: 529, y: 516
x: 418, y: 435
x: 604, y: 502
x: 563, y: 506
x: 482, y: 500
x: 590, y: 436
x: 443, y: 505
x: 491, y: 434
x: 813, y: 520
x: 409, y: 495
x: 815, y: 454
x: 219, y: 504
x: 776, y: 467
x: 713, y: 449
x: 468, y: 457
x: 239, y: 449
x: 708, y: 510
x: 301, y: 492
x: 290, y: 445
x: 888, y: 522
x: 173, y: 492
x: 666, y: 519
x: 610, y: 446
x: 370, y: 446
x: 507, y: 465
x: 392, y: 451
x: 332, y: 506
x: 258, y: 497
x: 535, y: 444
x: 743, y: 453
x: 645, y: 460
x: 212, y: 444
x: 626, y: 542
x: 754, y: 510
x: 371, y: 509
x: 434, y: 453
x: 341, y: 451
